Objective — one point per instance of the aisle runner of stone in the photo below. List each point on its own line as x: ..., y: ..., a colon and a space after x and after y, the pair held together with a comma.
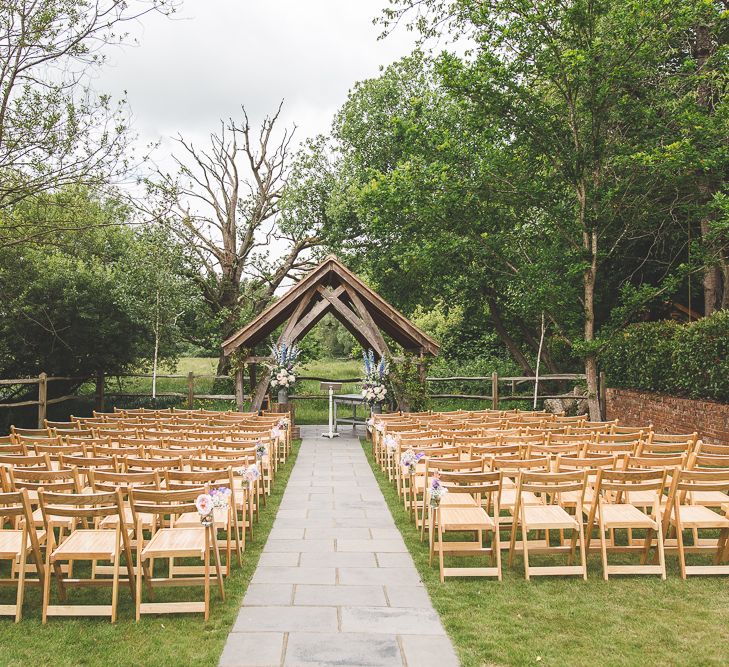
x: 335, y: 584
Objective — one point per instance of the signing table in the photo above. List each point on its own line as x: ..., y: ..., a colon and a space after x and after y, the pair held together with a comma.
x: 353, y: 400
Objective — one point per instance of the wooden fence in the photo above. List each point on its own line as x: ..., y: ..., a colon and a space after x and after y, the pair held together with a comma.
x: 496, y: 397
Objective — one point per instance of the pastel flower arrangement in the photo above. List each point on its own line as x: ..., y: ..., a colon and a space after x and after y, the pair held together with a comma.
x: 437, y: 491
x: 409, y: 460
x: 283, y: 423
x: 390, y: 442
x: 370, y: 424
x: 206, y: 503
x: 374, y: 390
x: 250, y: 474
x: 261, y: 450
x: 285, y: 362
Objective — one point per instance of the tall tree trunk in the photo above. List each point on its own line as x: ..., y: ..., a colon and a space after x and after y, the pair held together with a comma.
x: 513, y: 348
x: 589, y: 278
x: 713, y: 298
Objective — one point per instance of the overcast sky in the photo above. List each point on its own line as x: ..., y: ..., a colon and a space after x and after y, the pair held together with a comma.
x: 215, y: 55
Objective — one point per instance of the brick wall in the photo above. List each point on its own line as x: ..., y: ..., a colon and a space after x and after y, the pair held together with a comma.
x: 669, y: 414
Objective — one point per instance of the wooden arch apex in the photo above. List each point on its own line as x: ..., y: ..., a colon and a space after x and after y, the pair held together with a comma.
x: 332, y: 288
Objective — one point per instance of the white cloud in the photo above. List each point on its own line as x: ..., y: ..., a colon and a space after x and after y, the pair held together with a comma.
x: 215, y: 55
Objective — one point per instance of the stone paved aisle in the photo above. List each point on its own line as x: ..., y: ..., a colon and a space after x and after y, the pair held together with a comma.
x: 335, y: 584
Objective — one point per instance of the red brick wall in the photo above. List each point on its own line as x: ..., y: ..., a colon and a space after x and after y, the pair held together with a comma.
x: 669, y: 414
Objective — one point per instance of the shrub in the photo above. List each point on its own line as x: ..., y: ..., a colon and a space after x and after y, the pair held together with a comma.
x: 689, y: 360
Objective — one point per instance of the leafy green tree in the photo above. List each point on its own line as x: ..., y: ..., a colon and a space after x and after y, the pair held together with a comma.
x: 54, y: 129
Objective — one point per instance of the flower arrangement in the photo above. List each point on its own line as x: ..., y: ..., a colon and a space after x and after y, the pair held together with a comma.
x: 205, y: 503
x: 409, y: 459
x: 374, y: 390
x: 283, y: 369
x: 370, y: 424
x: 390, y: 442
x: 250, y: 474
x: 437, y: 491
x: 261, y: 450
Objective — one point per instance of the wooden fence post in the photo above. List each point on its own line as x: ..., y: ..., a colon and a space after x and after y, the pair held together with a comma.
x: 495, y: 390
x: 99, y: 393
x: 602, y: 394
x: 239, y: 390
x: 42, y: 399
x: 190, y: 390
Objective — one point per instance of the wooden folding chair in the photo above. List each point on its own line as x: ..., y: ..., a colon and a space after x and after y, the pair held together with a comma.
x: 18, y: 541
x: 195, y: 541
x: 84, y: 544
x: 528, y: 517
x: 471, y: 518
x: 611, y: 509
x: 434, y: 466
x: 683, y: 514
x: 224, y: 520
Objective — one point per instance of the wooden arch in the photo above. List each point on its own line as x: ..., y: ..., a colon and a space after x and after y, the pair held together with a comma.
x: 330, y: 288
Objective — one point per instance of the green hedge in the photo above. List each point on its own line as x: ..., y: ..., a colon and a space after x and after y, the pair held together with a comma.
x: 689, y: 360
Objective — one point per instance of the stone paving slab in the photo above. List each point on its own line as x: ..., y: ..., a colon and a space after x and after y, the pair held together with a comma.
x: 335, y: 584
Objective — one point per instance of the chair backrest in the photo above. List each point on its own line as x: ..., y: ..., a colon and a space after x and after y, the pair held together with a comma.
x: 620, y: 483
x: 552, y: 483
x: 85, y: 463
x: 211, y: 463
x: 65, y: 480
x: 655, y: 461
x: 514, y: 466
x: 610, y: 448
x: 163, y: 502
x: 108, y: 481
x: 708, y: 462
x: 477, y: 484
x: 174, y: 453
x: 709, y: 448
x: 30, y: 432
x: 687, y: 481
x: 28, y: 461
x: 81, y: 506
x: 180, y: 479
x: 565, y: 463
x: 13, y: 449
x: 133, y: 463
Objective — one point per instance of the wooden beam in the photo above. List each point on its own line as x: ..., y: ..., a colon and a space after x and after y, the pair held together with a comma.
x: 316, y: 312
x: 378, y: 340
x: 261, y: 390
x: 351, y: 321
x: 289, y: 327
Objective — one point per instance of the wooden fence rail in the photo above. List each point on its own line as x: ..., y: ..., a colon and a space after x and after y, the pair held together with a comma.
x: 100, y: 394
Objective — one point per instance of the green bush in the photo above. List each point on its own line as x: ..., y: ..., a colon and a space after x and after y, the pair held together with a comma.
x: 689, y: 360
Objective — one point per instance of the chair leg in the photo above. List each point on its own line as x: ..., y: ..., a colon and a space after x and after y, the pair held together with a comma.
x: 583, y: 552
x: 681, y: 554
x: 115, y: 582
x: 603, y: 548
x: 21, y: 581
x: 46, y: 586
x: 440, y: 551
x: 206, y: 584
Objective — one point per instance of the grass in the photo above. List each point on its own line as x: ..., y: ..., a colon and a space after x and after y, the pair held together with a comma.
x: 155, y: 640
x: 566, y: 621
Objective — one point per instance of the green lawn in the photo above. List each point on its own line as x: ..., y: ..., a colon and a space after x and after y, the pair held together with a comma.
x: 156, y: 640
x: 566, y: 621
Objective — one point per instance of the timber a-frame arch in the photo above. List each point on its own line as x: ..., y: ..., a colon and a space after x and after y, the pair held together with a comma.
x: 329, y: 288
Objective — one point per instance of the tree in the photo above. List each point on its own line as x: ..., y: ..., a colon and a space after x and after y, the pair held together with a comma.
x: 223, y: 204
x: 564, y: 85
x: 54, y: 129
x: 84, y: 303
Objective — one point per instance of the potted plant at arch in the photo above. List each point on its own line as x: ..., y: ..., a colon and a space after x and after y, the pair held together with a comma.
x: 283, y: 369
x: 374, y: 389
